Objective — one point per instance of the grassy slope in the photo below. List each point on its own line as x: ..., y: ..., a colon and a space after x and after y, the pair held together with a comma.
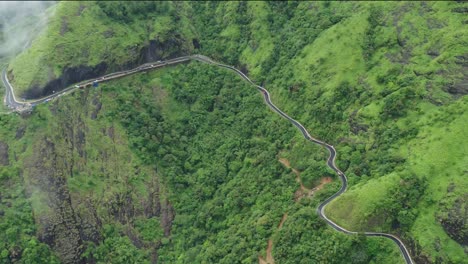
x: 260, y: 45
x: 328, y: 53
x: 231, y: 226
x: 231, y: 233
x: 336, y: 55
x: 235, y: 232
x: 437, y: 152
x: 80, y: 33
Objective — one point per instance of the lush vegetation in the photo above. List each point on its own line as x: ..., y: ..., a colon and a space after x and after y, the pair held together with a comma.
x: 384, y: 83
x: 91, y: 38
x: 220, y: 174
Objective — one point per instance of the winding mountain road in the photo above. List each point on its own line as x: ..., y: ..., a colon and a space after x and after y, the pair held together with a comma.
x: 13, y: 103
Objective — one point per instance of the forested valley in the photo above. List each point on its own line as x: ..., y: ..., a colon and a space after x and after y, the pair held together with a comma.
x: 187, y: 164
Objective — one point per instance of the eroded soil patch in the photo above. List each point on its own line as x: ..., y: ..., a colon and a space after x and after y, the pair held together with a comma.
x: 269, y: 256
x: 304, y: 191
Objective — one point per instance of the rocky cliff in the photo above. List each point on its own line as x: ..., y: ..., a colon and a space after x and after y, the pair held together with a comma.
x: 64, y: 176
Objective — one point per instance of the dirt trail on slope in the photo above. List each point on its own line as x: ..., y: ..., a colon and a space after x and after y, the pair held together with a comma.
x: 304, y: 191
x: 269, y: 256
x: 286, y: 163
x: 323, y: 181
x: 298, y: 195
x: 283, y: 219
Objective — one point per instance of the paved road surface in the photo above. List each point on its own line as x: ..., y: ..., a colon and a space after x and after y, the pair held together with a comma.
x: 17, y: 105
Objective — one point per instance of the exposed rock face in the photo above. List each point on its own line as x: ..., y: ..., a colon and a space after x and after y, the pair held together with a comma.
x: 67, y: 218
x: 95, y: 112
x: 69, y: 76
x: 167, y: 217
x: 155, y: 50
x: 462, y: 10
x: 354, y: 124
x: 151, y: 52
x: 460, y: 87
x: 20, y: 132
x: 152, y: 206
x: 58, y: 225
x: 4, y: 154
x: 455, y: 222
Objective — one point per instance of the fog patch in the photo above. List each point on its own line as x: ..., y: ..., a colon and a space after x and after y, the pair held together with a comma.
x: 20, y: 23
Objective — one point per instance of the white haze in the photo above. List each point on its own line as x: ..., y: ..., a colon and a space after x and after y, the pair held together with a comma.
x: 20, y: 22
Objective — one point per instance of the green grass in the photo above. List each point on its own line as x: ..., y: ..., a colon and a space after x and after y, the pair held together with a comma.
x: 439, y: 154
x: 353, y: 210
x: 305, y: 52
x: 261, y: 45
x: 88, y: 39
x: 341, y: 46
x: 390, y: 253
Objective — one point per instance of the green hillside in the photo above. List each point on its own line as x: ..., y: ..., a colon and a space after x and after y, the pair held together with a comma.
x: 182, y: 165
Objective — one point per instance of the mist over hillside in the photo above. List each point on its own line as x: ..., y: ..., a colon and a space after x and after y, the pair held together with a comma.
x: 187, y: 164
x: 20, y: 22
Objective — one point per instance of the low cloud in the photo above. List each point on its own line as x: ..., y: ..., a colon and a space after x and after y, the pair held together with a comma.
x: 19, y: 24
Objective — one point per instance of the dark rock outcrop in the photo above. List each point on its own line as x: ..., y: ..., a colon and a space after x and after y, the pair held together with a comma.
x: 20, y: 132
x: 154, y: 51
x: 70, y: 75
x: 460, y: 86
x: 66, y: 218
x: 58, y: 224
x: 152, y: 206
x: 167, y: 217
x: 96, y: 102
x: 462, y: 10
x: 158, y: 50
x: 196, y: 43
x: 355, y: 125
x: 454, y: 221
x: 4, y: 159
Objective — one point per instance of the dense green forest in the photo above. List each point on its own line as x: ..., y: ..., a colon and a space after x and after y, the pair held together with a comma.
x: 188, y: 165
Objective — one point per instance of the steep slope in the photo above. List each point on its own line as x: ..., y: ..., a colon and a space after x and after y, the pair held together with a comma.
x: 373, y: 79
x: 384, y: 83
x: 87, y: 39
x: 80, y: 185
x: 203, y: 189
